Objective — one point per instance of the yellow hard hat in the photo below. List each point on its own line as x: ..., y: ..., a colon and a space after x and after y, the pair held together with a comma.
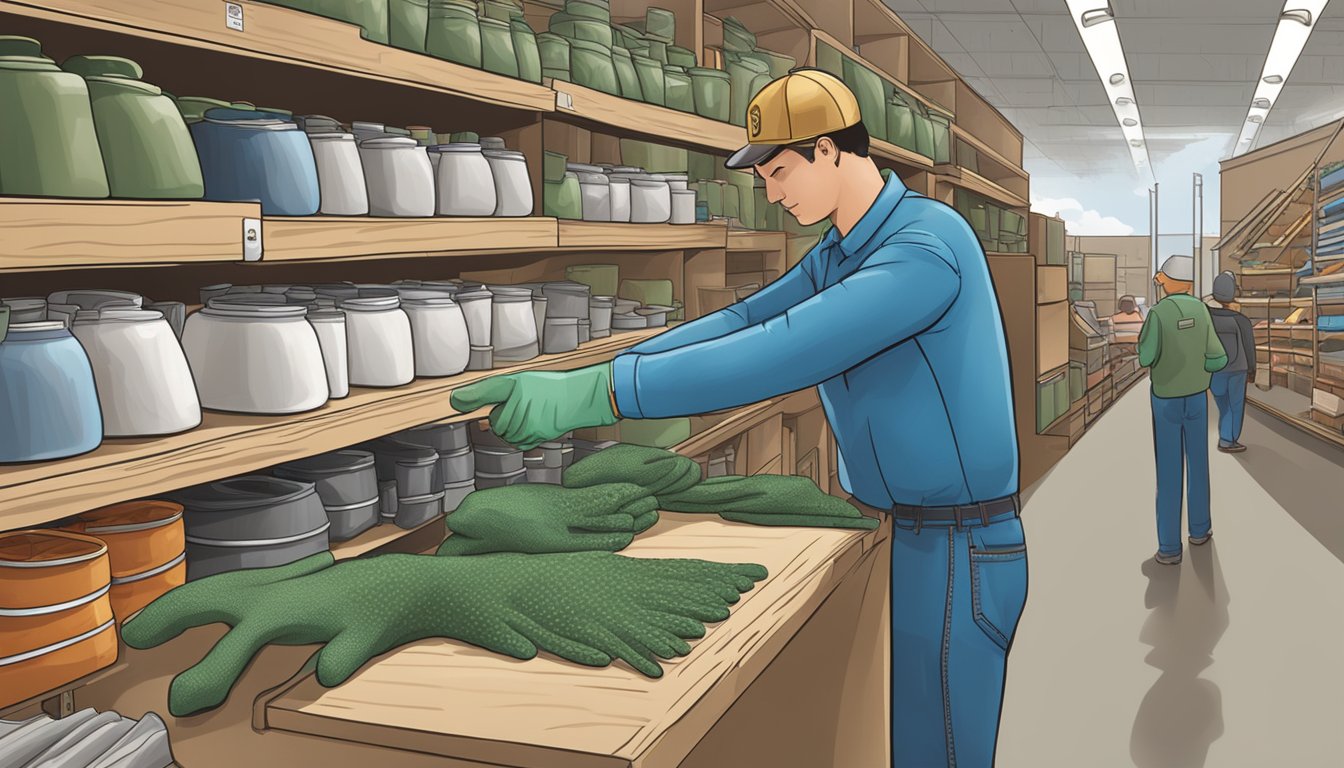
x: 800, y: 106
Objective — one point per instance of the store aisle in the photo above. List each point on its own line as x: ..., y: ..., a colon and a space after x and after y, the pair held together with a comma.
x: 1230, y: 659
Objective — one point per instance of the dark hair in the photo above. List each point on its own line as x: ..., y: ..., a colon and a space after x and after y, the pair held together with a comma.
x: 853, y: 140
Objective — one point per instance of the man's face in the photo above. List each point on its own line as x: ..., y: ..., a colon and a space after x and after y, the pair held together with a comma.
x: 808, y: 190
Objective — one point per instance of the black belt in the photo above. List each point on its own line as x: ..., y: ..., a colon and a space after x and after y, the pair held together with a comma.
x: 962, y: 516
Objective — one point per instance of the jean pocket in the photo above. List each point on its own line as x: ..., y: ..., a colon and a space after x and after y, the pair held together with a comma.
x: 998, y: 588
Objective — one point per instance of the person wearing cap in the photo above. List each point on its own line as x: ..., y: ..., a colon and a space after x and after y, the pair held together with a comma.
x: 894, y: 318
x: 1180, y: 346
x: 1229, y: 385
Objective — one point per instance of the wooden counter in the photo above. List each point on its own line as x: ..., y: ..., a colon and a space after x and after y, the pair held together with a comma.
x: 796, y: 676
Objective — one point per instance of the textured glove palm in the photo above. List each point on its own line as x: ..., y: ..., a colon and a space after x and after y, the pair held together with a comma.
x: 589, y: 608
x: 547, y: 518
x: 536, y: 406
x: 660, y: 473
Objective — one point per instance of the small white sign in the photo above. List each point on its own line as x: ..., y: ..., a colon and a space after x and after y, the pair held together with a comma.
x: 564, y: 100
x: 252, y: 244
x: 233, y: 16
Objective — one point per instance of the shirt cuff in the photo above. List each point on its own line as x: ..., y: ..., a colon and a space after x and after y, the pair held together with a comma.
x: 624, y: 375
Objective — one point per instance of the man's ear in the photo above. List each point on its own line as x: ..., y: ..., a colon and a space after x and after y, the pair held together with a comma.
x: 826, y: 148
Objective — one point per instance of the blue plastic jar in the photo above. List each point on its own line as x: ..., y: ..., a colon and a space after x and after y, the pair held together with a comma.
x: 48, y: 402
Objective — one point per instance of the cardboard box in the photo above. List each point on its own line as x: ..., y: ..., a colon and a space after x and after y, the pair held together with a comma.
x: 1052, y: 284
x: 1327, y: 403
x: 1334, y: 423
x: 1046, y: 239
x: 1095, y: 379
x: 1099, y: 268
x: 1052, y: 336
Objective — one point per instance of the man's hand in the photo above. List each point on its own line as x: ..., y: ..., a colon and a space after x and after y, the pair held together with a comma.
x: 534, y: 407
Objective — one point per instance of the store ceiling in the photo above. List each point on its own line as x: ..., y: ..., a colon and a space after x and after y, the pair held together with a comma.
x: 1194, y: 65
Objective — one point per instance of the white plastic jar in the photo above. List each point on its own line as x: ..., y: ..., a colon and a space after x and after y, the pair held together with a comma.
x: 340, y: 174
x: 650, y: 201
x: 476, y: 309
x: 330, y: 327
x: 513, y: 326
x: 438, y: 332
x: 620, y: 198
x: 464, y: 181
x: 399, y: 177
x: 513, y: 185
x: 378, y: 334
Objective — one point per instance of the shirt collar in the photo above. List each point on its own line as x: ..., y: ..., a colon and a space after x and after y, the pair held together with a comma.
x: 872, y: 220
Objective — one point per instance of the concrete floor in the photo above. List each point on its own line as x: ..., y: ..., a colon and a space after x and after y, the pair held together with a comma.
x: 1233, y: 658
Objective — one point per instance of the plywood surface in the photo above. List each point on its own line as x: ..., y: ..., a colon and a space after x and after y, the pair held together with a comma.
x: 42, y: 233
x: 446, y: 698
x: 627, y: 116
x: 644, y: 237
x: 336, y: 237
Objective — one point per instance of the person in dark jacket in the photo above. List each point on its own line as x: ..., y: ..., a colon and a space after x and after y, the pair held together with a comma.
x: 1229, y: 385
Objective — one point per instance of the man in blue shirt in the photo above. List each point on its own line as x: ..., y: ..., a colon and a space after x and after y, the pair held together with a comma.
x: 893, y: 317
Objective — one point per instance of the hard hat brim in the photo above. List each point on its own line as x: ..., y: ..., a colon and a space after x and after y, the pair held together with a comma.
x: 753, y: 155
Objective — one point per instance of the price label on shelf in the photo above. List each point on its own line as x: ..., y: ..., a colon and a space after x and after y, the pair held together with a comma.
x: 233, y: 16
x: 564, y: 100
x: 252, y: 242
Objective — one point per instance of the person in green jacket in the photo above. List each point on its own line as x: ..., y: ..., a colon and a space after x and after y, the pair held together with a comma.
x: 1180, y: 346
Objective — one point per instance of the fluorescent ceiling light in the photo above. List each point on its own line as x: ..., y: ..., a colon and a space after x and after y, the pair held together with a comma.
x: 1096, y: 26
x: 1296, y: 22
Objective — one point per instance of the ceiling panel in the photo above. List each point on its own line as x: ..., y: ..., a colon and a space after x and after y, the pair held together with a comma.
x: 1194, y: 64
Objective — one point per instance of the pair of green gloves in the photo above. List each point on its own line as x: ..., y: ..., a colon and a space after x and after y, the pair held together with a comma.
x: 611, y: 496
x: 588, y: 607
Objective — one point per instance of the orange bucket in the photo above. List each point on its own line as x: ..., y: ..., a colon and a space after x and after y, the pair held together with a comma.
x: 145, y: 542
x: 56, y: 621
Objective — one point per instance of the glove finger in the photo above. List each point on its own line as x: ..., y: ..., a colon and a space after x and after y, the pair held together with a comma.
x: 345, y: 654
x: 460, y: 544
x: 190, y: 605
x: 645, y: 522
x: 513, y: 420
x: 641, y: 506
x: 707, y: 611
x: 618, y: 522
x: 604, y: 542
x: 553, y: 642
x: 495, y: 389
x: 653, y: 639
x: 614, y: 646
x: 207, y: 684
x: 680, y: 626
x: 501, y: 638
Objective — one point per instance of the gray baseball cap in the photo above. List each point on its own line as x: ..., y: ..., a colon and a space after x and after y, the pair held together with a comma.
x: 1179, y: 268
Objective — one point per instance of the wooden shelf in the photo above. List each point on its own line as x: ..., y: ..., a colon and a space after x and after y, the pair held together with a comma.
x: 746, y: 241
x: 974, y: 182
x: 576, y: 103
x: 885, y: 150
x: 738, y: 423
x: 1333, y: 279
x: 1275, y: 302
x: 601, y: 235
x: 41, y: 234
x: 275, y: 34
x: 1292, y: 419
x: 336, y: 238
x: 987, y: 151
x: 230, y: 444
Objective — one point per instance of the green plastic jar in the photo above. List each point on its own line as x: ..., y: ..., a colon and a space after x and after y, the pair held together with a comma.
x: 49, y: 147
x: 147, y: 150
x: 497, y: 53
x: 712, y: 89
x: 525, y: 48
x: 408, y: 24
x: 651, y: 79
x: 677, y: 89
x: 625, y: 74
x: 591, y: 66
x: 454, y: 33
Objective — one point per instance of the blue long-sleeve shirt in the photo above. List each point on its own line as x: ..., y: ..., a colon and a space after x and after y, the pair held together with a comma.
x: 898, y: 327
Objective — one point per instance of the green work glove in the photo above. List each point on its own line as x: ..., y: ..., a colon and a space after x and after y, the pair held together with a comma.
x: 589, y: 607
x: 768, y: 500
x: 658, y: 471
x: 541, y: 519
x: 537, y: 406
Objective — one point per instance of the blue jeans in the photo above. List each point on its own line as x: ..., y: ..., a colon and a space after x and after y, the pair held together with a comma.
x: 1229, y: 391
x: 956, y: 596
x: 1181, y: 439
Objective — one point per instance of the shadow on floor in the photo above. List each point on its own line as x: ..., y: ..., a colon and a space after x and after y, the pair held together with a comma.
x: 1301, y: 473
x: 1182, y: 714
